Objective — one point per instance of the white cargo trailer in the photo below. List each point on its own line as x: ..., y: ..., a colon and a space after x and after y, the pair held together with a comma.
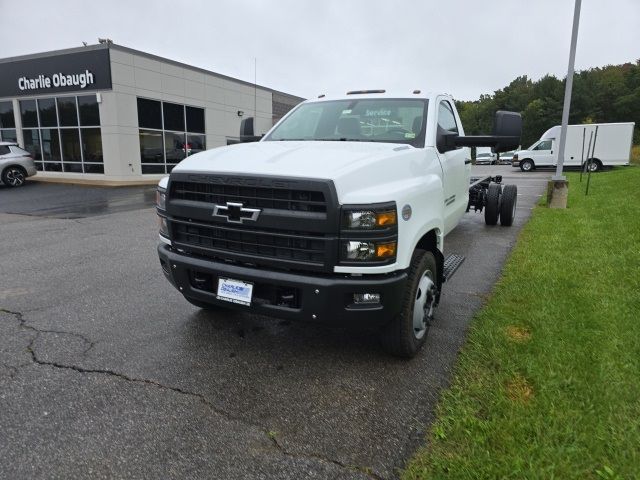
x: 612, y: 147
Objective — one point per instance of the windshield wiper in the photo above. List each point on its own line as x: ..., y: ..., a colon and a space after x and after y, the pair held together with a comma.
x: 342, y: 139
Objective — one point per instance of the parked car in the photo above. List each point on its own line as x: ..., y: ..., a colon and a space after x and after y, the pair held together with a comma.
x: 486, y: 158
x: 506, y: 158
x: 16, y: 164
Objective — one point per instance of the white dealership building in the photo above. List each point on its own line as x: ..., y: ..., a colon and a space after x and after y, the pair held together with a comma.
x: 114, y: 115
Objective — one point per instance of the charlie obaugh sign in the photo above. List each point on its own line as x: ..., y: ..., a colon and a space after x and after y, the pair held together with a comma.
x: 79, y: 71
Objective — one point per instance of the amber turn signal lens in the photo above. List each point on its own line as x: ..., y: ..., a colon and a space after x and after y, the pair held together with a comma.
x: 386, y: 250
x: 386, y: 219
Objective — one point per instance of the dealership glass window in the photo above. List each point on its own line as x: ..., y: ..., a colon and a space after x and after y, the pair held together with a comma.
x: 9, y: 135
x: 67, y: 111
x: 151, y: 147
x: 47, y: 112
x: 32, y: 145
x: 168, y: 133
x: 149, y: 114
x: 195, y: 119
x: 173, y: 115
x: 71, y: 148
x: 29, y: 113
x: 93, y: 168
x: 51, y: 144
x: 174, y: 147
x: 91, y: 145
x: 6, y: 115
x: 70, y: 140
x: 195, y: 144
x: 89, y: 110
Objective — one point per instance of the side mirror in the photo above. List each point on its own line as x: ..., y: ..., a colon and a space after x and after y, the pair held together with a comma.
x: 445, y: 140
x: 246, y: 131
x: 508, y: 127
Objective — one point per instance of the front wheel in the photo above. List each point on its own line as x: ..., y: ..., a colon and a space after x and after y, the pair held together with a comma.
x: 13, y: 176
x: 526, y: 165
x: 407, y: 332
x: 593, y: 165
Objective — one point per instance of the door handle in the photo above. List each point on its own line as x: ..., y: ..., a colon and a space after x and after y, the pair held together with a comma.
x: 551, y: 151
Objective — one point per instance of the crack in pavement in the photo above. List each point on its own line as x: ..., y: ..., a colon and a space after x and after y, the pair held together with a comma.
x: 203, y: 399
x: 354, y: 468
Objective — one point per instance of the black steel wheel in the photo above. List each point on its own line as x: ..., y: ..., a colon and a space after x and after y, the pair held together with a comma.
x: 527, y: 165
x: 593, y: 165
x: 407, y: 332
x: 14, y: 176
x: 508, y: 205
x: 492, y: 205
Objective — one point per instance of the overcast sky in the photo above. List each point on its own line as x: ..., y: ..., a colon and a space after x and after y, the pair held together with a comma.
x: 305, y: 47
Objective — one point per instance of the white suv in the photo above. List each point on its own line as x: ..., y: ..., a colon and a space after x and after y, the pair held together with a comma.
x: 16, y: 164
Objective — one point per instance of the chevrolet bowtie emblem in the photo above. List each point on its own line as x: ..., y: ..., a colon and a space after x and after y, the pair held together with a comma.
x: 236, y: 213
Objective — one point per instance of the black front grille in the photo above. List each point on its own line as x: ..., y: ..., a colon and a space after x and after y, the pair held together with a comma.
x: 249, y: 196
x: 299, y: 247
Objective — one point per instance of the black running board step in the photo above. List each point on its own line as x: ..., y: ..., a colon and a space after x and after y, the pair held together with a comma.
x: 451, y: 264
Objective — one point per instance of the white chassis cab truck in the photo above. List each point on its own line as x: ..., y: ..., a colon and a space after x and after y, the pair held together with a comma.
x: 337, y: 215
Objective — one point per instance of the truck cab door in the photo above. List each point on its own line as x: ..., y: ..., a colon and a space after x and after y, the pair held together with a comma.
x: 543, y: 152
x: 454, y: 169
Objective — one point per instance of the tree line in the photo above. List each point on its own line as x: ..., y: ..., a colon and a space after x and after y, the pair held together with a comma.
x: 600, y: 95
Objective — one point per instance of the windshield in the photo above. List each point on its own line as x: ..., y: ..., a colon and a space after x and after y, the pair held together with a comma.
x: 358, y: 120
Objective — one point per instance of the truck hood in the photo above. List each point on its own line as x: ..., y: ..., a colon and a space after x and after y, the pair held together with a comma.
x: 306, y: 159
x: 346, y: 163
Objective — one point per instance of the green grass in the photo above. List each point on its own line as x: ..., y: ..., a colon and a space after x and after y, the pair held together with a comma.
x: 548, y: 383
x: 635, y: 155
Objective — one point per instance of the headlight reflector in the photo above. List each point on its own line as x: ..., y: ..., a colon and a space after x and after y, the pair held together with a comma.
x: 163, y: 228
x: 386, y: 250
x: 369, y: 219
x: 161, y: 199
x: 357, y: 250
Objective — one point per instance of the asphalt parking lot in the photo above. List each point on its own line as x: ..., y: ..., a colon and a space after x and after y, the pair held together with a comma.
x: 107, y: 372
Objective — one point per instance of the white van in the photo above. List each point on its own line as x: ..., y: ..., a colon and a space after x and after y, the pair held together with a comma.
x: 612, y: 147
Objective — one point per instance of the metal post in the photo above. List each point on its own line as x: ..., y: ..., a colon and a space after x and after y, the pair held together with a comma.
x: 582, y: 164
x: 567, y: 93
x: 590, y: 160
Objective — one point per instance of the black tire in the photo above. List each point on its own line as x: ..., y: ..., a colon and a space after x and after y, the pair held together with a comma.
x: 492, y: 207
x: 203, y: 305
x: 14, y: 176
x: 508, y: 205
x: 594, y: 165
x: 527, y: 165
x: 400, y: 338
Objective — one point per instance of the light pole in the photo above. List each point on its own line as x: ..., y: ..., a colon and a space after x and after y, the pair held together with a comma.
x: 559, y: 186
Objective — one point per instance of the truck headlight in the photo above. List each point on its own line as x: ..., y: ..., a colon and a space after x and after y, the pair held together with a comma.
x: 368, y: 251
x: 366, y: 219
x: 161, y: 198
x: 163, y: 228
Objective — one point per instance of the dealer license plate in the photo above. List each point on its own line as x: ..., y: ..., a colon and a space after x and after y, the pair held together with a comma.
x: 235, y: 291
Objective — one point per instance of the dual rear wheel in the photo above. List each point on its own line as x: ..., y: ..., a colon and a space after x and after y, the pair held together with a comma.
x: 500, y: 204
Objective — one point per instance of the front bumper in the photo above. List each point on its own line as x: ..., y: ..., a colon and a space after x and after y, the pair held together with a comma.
x: 326, y: 299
